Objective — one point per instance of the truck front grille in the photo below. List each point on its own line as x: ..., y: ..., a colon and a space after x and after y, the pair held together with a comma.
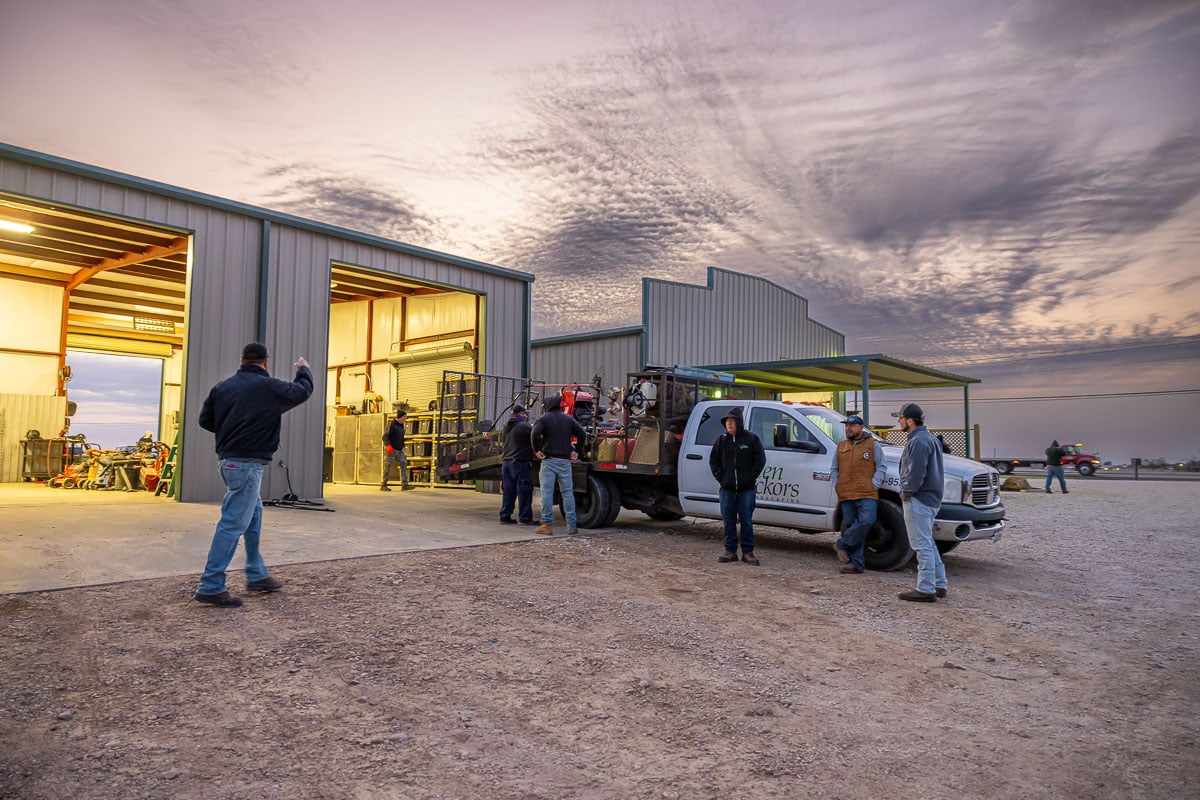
x: 985, y: 489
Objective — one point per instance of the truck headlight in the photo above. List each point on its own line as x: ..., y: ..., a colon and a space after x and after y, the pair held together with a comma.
x: 952, y: 490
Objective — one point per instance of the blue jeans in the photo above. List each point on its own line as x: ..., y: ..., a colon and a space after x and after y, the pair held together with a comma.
x: 516, y: 488
x: 241, y: 517
x: 918, y: 519
x: 557, y: 470
x: 859, y: 515
x: 738, y: 506
x: 1051, y: 472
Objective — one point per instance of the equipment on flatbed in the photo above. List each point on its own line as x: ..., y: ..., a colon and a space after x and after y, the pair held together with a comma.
x: 627, y: 459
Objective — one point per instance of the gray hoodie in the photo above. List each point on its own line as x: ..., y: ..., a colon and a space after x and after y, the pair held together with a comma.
x: 921, y: 468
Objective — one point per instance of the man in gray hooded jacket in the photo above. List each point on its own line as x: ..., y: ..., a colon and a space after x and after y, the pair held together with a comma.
x: 921, y: 490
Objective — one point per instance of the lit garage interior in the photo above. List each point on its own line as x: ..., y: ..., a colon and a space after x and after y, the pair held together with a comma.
x: 74, y: 281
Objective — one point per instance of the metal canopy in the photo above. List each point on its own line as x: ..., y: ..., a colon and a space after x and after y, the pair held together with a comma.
x: 850, y: 373
x: 842, y: 373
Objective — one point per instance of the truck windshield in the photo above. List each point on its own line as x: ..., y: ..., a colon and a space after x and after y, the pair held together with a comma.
x: 826, y: 419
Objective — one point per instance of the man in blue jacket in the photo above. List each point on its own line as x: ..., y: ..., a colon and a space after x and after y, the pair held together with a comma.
x: 736, y: 460
x: 921, y: 490
x: 245, y: 413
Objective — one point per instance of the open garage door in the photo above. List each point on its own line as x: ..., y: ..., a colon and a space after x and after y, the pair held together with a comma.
x: 72, y: 280
x: 390, y: 340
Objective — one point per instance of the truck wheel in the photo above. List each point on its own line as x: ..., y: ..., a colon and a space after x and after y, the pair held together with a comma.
x: 1085, y: 469
x: 591, y: 509
x: 887, y: 542
x: 614, y: 504
x: 1004, y: 467
x: 946, y: 547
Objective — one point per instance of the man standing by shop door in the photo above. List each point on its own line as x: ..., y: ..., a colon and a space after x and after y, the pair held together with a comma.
x: 245, y: 412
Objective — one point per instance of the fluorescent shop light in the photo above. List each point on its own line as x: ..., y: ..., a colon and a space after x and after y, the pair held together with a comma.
x: 15, y: 227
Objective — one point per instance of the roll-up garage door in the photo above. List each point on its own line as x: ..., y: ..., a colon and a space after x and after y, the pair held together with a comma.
x: 419, y: 372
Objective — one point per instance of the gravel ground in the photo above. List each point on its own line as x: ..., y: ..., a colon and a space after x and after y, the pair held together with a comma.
x: 630, y: 664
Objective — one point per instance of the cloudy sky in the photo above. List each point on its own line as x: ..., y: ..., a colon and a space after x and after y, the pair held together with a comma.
x: 1002, y: 188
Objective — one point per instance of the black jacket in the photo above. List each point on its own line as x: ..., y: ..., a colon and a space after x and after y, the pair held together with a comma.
x: 245, y: 410
x: 517, y: 443
x: 552, y: 434
x: 737, y: 461
x: 394, y: 435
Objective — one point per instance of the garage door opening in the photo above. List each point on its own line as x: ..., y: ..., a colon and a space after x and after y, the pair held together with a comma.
x: 118, y: 399
x: 76, y: 287
x: 390, y: 340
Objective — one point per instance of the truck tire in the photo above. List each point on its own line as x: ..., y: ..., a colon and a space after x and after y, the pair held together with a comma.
x: 1004, y: 467
x: 1085, y: 469
x: 614, y: 504
x: 591, y: 507
x: 946, y: 547
x: 887, y: 546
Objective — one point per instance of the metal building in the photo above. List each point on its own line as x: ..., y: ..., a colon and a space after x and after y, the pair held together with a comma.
x: 125, y: 265
x: 734, y: 318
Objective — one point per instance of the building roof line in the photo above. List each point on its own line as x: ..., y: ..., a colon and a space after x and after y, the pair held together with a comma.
x: 33, y: 157
x: 579, y: 337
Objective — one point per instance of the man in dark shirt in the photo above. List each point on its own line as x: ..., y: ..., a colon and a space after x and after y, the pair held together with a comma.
x: 1054, y: 467
x: 245, y: 413
x: 516, y: 478
x: 393, y: 441
x: 551, y: 439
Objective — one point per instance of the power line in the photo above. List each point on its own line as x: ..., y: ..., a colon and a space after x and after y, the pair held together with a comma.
x: 1096, y: 396
x: 1015, y: 358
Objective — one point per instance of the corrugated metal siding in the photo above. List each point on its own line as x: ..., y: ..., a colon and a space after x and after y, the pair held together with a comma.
x: 735, y: 319
x: 222, y: 307
x: 20, y: 413
x: 577, y: 361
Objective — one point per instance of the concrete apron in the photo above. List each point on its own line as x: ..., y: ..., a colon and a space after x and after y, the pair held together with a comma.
x: 62, y: 538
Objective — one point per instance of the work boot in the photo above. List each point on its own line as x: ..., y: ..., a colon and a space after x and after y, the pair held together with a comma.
x: 572, y: 531
x: 544, y: 530
x: 918, y: 597
x: 406, y: 487
x: 267, y: 584
x: 842, y: 555
x: 384, y: 488
x: 223, y: 600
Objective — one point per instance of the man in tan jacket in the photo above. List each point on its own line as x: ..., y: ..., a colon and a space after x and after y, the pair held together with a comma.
x: 858, y: 472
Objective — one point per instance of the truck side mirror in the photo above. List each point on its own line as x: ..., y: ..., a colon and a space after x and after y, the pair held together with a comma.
x: 780, y: 436
x: 780, y: 439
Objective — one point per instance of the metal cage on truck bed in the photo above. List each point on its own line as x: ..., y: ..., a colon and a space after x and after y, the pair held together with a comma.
x: 631, y: 430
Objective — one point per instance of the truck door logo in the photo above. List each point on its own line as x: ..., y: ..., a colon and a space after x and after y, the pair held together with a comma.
x: 773, y: 485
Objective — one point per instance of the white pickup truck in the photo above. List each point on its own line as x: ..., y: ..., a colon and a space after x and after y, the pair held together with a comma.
x: 795, y: 490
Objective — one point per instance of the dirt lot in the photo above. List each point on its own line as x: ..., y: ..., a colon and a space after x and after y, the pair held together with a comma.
x: 630, y: 664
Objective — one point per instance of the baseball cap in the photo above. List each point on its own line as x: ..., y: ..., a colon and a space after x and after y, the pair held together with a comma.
x: 909, y: 410
x: 255, y: 351
x: 518, y: 409
x: 853, y: 419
